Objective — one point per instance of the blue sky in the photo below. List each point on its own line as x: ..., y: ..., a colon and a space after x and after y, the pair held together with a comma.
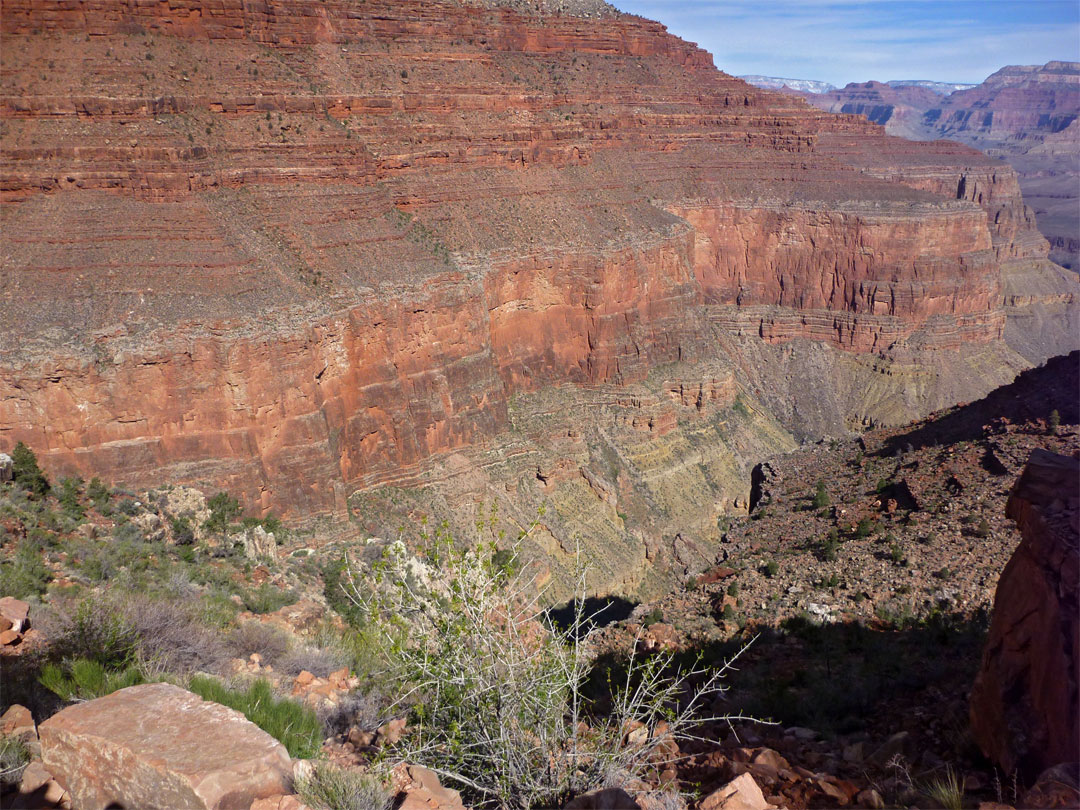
x: 841, y: 41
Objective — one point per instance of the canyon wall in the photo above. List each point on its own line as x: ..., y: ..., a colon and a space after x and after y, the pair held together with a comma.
x: 300, y: 250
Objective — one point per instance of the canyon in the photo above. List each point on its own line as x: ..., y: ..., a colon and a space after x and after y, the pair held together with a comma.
x: 1025, y: 115
x: 356, y: 264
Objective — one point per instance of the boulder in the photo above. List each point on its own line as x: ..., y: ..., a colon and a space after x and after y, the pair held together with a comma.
x: 7, y: 468
x: 1025, y: 708
x: 160, y: 747
x: 18, y: 722
x: 17, y: 612
x: 741, y: 793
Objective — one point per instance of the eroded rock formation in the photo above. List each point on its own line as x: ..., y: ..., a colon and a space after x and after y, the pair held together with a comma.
x: 297, y: 249
x: 1025, y: 703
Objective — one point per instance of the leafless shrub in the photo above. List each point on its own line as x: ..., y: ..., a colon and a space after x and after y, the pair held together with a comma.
x: 319, y: 661
x: 498, y: 691
x: 173, y: 638
x: 268, y: 641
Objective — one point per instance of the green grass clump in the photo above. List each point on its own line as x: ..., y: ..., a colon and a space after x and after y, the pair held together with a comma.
x: 947, y: 791
x: 297, y: 727
x: 84, y: 679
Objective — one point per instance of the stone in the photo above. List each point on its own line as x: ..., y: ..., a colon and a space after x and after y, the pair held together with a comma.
x: 1057, y: 786
x: 17, y: 612
x: 1025, y: 702
x: 741, y: 793
x: 18, y: 722
x: 10, y: 638
x: 390, y: 733
x: 870, y: 799
x: 160, y: 747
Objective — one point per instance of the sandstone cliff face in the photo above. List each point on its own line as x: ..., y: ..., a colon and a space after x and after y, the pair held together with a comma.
x: 1025, y: 702
x: 298, y: 249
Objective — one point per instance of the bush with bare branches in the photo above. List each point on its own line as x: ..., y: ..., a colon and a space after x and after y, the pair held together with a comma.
x: 497, y: 691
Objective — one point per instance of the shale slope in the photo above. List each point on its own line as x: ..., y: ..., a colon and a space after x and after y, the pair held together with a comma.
x: 302, y: 249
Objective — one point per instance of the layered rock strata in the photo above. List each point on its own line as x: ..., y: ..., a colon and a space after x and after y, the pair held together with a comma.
x: 297, y: 249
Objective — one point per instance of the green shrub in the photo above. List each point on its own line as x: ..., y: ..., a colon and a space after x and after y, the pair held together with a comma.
x: 331, y: 788
x: 1054, y: 422
x: 983, y: 529
x: 84, y: 679
x: 821, y: 496
x: 654, y: 616
x: 830, y: 547
x: 98, y: 494
x: 99, y: 631
x: 26, y: 472
x: 71, y: 498
x: 182, y: 530
x: 865, y: 527
x: 266, y: 598
x: 295, y: 726
x: 25, y: 574
x: 771, y: 569
x: 733, y: 589
x: 224, y: 509
x: 896, y: 552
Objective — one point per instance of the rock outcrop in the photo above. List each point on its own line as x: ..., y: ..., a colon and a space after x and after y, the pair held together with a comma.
x: 160, y: 747
x: 1025, y: 703
x: 298, y: 249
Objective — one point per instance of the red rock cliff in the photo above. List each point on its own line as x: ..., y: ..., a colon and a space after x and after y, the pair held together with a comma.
x: 293, y: 248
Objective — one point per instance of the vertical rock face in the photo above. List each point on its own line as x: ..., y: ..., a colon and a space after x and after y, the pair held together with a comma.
x: 1025, y: 705
x: 297, y: 249
x: 159, y: 747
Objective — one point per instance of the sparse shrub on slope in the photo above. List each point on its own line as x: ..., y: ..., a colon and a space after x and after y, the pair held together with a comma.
x: 498, y: 691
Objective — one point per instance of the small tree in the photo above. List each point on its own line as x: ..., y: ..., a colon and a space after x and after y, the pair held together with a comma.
x: 224, y: 509
x: 27, y: 473
x: 1054, y: 422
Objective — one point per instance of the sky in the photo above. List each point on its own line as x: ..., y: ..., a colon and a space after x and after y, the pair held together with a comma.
x: 841, y: 41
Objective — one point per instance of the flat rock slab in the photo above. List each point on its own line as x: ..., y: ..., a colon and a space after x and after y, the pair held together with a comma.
x: 160, y: 747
